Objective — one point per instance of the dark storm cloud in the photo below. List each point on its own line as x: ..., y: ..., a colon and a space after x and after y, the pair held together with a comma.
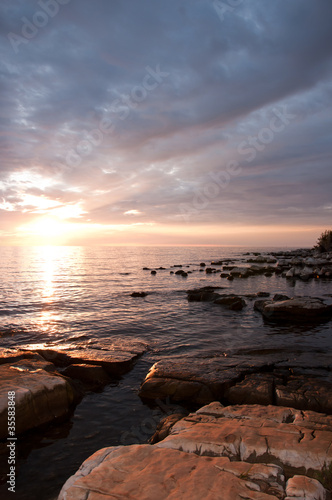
x: 184, y: 89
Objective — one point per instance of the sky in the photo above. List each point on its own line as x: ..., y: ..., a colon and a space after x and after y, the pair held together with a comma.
x: 173, y: 122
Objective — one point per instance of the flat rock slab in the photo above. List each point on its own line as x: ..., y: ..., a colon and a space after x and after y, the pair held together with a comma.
x: 41, y: 395
x: 287, y: 437
x: 298, y: 309
x: 116, y: 357
x: 13, y: 355
x: 195, y: 380
x: 267, y: 377
x: 145, y: 472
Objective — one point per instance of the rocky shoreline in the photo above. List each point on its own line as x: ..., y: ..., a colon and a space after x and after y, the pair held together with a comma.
x: 262, y: 421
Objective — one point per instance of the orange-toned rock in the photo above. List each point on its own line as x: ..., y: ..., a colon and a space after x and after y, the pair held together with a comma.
x: 41, y: 395
x: 145, y: 472
x: 13, y: 355
x: 299, y: 487
x: 116, y: 357
x: 256, y: 433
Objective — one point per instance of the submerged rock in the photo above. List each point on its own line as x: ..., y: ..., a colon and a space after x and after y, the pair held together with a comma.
x: 138, y: 294
x: 232, y: 302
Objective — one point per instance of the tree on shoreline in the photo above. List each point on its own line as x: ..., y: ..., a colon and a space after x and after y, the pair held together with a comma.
x: 324, y: 242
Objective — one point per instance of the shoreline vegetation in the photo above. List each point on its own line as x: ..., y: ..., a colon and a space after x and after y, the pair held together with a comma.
x: 260, y: 421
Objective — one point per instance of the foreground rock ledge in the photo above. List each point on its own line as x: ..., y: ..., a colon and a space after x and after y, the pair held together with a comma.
x: 202, y: 458
x: 116, y: 357
x: 301, y: 442
x: 41, y: 394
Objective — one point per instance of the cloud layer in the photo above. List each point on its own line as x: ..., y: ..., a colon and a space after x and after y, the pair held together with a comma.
x: 166, y: 113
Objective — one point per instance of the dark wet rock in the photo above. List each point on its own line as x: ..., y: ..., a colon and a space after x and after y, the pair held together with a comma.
x: 208, y: 288
x: 232, y: 302
x: 209, y: 270
x: 180, y: 272
x: 202, y: 264
x: 153, y: 272
x: 256, y: 270
x: 146, y: 269
x: 202, y: 296
x: 302, y: 381
x: 177, y: 265
x: 263, y: 294
x: 138, y: 294
x: 164, y: 427
x: 256, y: 388
x: 224, y: 275
x: 228, y: 268
x: 278, y: 296
x: 41, y: 394
x: 260, y: 259
x: 305, y: 393
x: 307, y: 390
x: 217, y: 263
x: 298, y: 309
x: 241, y: 272
x: 162, y: 268
x: 230, y: 278
x: 92, y: 375
x: 171, y: 272
x: 268, y: 275
x: 306, y: 276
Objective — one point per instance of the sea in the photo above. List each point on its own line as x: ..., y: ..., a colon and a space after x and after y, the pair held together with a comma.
x: 57, y: 295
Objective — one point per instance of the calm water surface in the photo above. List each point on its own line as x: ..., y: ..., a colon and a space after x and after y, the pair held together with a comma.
x: 61, y: 294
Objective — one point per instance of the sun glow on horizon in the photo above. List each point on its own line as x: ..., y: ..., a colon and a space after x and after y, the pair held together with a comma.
x: 48, y: 227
